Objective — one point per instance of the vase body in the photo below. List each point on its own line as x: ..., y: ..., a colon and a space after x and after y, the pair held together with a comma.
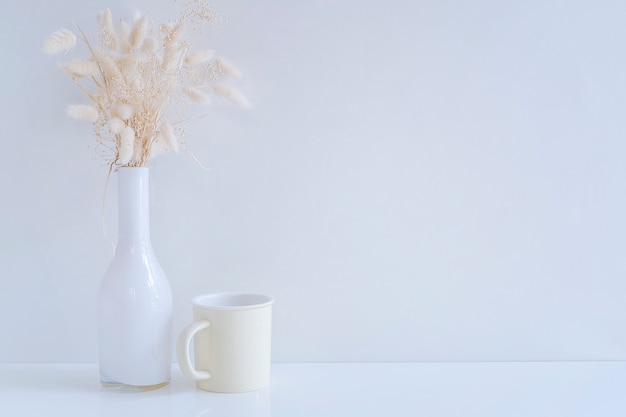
x: 134, y: 298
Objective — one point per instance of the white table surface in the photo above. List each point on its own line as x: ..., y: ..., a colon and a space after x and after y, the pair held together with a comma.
x: 502, y: 389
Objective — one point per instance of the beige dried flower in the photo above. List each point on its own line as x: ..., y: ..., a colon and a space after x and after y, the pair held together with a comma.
x: 62, y: 40
x: 196, y: 95
x: 150, y: 45
x: 171, y: 57
x: 138, y: 33
x: 172, y: 32
x: 158, y: 147
x: 227, y: 68
x: 116, y: 125
x: 199, y: 57
x: 123, y: 111
x: 124, y: 37
x: 165, y: 142
x: 83, y: 111
x: 141, y: 80
x: 232, y: 94
x: 82, y: 68
x: 168, y: 136
x: 109, y: 67
x: 127, y: 142
x: 109, y: 37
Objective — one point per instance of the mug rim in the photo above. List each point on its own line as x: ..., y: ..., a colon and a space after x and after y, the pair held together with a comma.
x: 255, y: 300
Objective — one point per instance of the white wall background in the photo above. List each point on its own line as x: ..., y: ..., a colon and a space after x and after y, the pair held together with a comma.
x: 418, y: 180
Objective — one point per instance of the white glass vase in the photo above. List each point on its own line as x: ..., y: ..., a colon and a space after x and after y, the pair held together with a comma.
x: 135, y: 298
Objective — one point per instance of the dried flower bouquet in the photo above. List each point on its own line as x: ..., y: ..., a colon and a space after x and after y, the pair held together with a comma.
x: 140, y: 80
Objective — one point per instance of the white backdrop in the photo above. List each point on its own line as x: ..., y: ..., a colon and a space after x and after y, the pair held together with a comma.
x: 418, y: 180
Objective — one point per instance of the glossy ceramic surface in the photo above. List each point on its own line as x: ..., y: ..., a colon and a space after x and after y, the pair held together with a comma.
x: 232, y: 342
x: 135, y: 298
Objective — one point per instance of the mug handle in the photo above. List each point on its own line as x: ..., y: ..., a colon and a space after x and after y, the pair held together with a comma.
x: 182, y: 350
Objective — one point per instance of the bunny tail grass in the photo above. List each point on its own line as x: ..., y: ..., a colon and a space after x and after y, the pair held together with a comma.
x: 232, y: 94
x: 83, y: 111
x: 63, y: 40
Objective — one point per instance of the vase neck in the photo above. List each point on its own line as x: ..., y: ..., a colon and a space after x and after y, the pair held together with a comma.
x: 133, y: 204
